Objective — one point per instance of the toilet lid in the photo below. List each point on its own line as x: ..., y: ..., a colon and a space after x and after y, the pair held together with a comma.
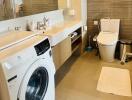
x: 107, y: 38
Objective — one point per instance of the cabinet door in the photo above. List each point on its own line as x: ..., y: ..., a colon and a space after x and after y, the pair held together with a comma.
x: 61, y: 52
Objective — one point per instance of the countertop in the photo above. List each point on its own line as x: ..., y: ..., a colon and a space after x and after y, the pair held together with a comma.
x: 60, y: 27
x: 61, y: 30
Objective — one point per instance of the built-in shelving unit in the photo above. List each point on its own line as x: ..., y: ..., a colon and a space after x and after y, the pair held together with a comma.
x: 76, y: 40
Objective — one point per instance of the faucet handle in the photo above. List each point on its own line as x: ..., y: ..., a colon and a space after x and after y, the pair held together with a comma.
x: 45, y: 20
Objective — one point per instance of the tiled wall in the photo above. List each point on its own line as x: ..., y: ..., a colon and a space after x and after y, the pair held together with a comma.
x: 54, y: 18
x: 120, y: 9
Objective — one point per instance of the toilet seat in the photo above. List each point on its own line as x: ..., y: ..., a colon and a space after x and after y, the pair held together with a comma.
x: 107, y: 38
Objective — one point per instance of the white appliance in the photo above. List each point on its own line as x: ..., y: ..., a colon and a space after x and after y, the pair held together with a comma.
x: 27, y: 71
x: 107, y: 38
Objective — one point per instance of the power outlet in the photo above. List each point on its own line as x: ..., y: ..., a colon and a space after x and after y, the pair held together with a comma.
x: 95, y: 22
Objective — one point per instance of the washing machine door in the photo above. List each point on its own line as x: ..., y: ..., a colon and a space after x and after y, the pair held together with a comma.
x: 35, y: 82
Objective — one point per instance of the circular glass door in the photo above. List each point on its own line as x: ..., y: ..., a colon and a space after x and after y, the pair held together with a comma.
x: 37, y: 85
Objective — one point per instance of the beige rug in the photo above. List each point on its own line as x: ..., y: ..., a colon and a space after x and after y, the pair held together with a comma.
x: 115, y: 80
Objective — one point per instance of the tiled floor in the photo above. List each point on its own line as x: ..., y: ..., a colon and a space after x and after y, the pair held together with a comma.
x: 80, y: 81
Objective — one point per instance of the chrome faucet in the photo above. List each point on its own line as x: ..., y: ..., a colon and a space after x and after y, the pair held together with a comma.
x: 41, y: 25
x: 45, y: 20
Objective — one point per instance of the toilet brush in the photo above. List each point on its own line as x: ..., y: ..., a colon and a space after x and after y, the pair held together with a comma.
x: 89, y: 48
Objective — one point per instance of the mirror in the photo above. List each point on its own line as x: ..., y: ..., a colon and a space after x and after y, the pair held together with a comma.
x: 17, y: 8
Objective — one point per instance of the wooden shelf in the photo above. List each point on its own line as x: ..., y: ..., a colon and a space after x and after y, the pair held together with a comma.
x: 75, y: 48
x: 76, y: 41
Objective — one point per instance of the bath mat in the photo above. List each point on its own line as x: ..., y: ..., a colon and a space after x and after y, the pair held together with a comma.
x: 115, y: 81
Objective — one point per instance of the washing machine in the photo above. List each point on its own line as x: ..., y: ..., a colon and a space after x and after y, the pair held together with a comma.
x: 27, y: 71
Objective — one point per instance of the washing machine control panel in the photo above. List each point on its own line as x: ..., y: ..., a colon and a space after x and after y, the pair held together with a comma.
x: 42, y: 47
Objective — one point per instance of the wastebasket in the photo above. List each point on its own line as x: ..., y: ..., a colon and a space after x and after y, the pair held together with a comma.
x: 128, y: 49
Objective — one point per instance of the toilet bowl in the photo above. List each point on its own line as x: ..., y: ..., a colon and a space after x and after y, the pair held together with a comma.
x: 108, y: 38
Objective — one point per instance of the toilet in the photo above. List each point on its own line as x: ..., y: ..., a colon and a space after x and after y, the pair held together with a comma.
x: 108, y: 38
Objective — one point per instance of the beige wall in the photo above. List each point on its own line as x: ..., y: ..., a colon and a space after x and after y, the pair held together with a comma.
x: 75, y: 4
x: 62, y: 4
x: 80, y: 7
